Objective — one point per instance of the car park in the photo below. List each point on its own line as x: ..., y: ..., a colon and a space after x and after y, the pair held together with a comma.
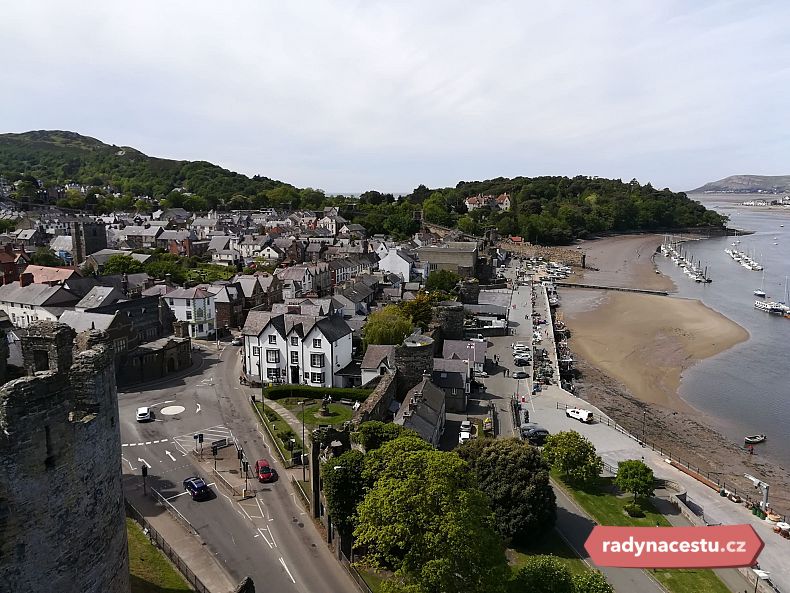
x: 265, y: 472
x: 144, y: 414
x: 520, y: 375
x: 521, y: 362
x: 579, y: 414
x: 197, y: 488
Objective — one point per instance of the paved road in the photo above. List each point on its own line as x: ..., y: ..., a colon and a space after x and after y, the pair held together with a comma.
x: 268, y: 537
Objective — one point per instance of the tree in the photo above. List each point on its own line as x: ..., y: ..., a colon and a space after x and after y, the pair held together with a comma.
x: 591, y: 581
x: 387, y: 326
x: 574, y: 457
x: 445, y: 280
x: 635, y: 477
x: 391, y: 454
x: 516, y: 479
x: 122, y: 264
x: 426, y: 520
x: 343, y: 488
x: 373, y: 434
x: 542, y: 574
x: 419, y: 309
x: 44, y: 256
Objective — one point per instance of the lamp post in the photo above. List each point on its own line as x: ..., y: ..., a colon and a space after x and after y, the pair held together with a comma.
x: 644, y: 427
x: 304, y: 470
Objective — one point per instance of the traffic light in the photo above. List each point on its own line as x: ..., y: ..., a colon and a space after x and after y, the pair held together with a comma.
x: 200, y: 437
x: 214, y: 450
x: 145, y: 470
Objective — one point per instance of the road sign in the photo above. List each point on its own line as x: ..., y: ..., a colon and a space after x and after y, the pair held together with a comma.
x: 219, y: 444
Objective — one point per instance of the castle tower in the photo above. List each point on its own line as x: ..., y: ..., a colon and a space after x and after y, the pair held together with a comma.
x: 62, y: 520
x: 412, y: 358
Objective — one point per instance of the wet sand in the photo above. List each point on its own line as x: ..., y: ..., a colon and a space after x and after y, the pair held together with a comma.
x: 633, y: 348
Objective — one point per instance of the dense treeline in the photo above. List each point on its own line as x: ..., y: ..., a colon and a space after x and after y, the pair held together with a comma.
x: 548, y: 210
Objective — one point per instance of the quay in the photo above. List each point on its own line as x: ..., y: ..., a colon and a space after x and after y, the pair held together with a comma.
x: 602, y: 287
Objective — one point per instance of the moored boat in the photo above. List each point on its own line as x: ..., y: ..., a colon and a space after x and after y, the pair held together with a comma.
x: 754, y: 439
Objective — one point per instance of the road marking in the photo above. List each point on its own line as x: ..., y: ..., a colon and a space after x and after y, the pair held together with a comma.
x: 176, y: 495
x: 170, y: 455
x: 170, y: 401
x: 266, y: 539
x: 140, y: 444
x: 260, y: 508
x: 131, y: 467
x: 148, y: 443
x: 124, y: 444
x: 144, y: 462
x: 198, y: 409
x: 172, y: 410
x: 286, y: 570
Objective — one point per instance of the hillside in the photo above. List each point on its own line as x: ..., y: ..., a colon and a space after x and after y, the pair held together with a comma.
x: 548, y: 210
x: 57, y: 157
x: 748, y: 184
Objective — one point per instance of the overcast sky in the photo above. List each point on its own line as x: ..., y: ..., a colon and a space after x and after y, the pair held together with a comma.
x: 349, y: 96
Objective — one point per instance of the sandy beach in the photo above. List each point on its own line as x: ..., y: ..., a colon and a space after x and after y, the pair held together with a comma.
x: 633, y: 348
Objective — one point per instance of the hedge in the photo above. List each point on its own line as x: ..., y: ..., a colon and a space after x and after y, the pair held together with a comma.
x: 307, y: 392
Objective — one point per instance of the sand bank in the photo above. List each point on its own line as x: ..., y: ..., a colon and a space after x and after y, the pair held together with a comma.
x: 646, y: 342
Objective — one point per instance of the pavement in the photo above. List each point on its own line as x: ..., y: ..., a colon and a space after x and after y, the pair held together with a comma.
x: 267, y: 534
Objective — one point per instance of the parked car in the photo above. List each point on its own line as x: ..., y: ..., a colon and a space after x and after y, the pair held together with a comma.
x: 197, y: 488
x: 464, y: 436
x: 466, y: 426
x: 144, y: 415
x: 520, y: 375
x: 264, y: 472
x: 521, y: 362
x: 237, y: 341
x: 481, y: 374
x: 534, y: 433
x: 579, y: 414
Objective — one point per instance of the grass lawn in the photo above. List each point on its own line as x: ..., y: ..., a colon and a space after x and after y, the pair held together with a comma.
x: 280, y: 429
x: 553, y: 545
x: 373, y: 578
x: 606, y: 508
x: 149, y: 570
x: 338, y: 413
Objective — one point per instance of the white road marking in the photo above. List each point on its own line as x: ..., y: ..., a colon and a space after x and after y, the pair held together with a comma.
x: 271, y: 535
x: 198, y: 409
x: 286, y: 570
x: 245, y: 511
x: 271, y: 545
x: 170, y: 455
x: 172, y: 410
x: 260, y: 508
x: 148, y: 443
x: 176, y: 495
x: 140, y: 444
x: 131, y: 467
x: 170, y: 401
x: 124, y: 444
x: 144, y: 462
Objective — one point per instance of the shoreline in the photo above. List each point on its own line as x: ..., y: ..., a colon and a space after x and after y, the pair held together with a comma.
x: 632, y: 350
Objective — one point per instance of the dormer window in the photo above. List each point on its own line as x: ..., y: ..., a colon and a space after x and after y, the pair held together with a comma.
x: 316, y: 343
x: 272, y: 339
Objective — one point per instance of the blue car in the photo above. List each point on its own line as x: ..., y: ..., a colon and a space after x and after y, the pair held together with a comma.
x: 197, y: 488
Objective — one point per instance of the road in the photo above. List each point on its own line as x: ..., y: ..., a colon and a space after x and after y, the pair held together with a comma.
x: 268, y: 537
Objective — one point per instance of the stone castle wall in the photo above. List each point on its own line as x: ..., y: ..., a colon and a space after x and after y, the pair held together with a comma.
x: 569, y: 257
x: 62, y: 523
x: 412, y: 359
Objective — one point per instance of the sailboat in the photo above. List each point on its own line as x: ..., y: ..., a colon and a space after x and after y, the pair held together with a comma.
x: 760, y: 292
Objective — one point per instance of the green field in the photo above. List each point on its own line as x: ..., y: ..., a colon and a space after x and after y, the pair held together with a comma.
x: 606, y: 507
x: 149, y: 570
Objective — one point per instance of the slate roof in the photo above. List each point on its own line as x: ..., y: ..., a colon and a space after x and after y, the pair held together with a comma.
x: 98, y: 296
x: 35, y: 294
x: 464, y: 350
x: 421, y: 409
x: 81, y: 321
x: 189, y: 293
x: 376, y: 354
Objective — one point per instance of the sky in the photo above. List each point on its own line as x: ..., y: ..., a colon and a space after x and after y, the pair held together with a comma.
x: 350, y: 96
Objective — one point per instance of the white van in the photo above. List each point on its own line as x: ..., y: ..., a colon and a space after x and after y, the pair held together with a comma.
x: 579, y: 414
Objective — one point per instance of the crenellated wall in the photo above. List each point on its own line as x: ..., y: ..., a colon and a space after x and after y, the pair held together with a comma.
x: 62, y: 525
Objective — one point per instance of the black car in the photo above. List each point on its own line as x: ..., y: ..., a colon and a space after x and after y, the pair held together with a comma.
x: 521, y: 362
x: 197, y: 488
x: 534, y: 433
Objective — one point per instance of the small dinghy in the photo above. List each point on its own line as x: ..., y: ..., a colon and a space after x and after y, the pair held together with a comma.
x: 754, y: 439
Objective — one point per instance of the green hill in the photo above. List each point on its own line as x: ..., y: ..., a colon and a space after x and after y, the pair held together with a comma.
x: 748, y: 184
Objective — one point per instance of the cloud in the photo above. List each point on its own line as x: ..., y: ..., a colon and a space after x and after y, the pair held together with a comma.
x: 353, y: 95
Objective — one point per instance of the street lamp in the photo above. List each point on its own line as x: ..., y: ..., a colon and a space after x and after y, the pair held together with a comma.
x: 304, y: 470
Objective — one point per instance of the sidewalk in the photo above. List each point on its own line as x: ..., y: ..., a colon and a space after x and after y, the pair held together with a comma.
x: 189, y: 547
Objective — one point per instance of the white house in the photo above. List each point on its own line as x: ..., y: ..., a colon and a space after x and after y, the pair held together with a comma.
x: 25, y: 303
x: 195, y: 306
x: 378, y: 360
x: 297, y: 349
x: 397, y: 262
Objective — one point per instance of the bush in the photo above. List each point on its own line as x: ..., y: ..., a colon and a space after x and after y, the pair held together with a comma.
x: 634, y: 510
x: 307, y: 392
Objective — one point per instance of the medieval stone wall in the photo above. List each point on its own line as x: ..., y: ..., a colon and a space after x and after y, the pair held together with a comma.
x: 569, y: 257
x: 412, y: 359
x: 62, y: 524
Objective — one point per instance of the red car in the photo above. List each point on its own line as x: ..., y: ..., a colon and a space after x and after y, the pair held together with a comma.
x: 264, y: 471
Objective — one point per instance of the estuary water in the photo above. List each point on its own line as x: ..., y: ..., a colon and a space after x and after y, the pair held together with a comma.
x: 745, y: 390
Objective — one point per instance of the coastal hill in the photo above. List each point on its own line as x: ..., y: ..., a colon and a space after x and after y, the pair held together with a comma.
x: 39, y: 168
x: 748, y: 184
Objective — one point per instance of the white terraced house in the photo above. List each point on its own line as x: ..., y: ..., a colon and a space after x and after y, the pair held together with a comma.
x: 196, y: 307
x: 297, y: 349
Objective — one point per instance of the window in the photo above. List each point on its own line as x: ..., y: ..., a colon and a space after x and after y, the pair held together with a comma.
x: 200, y: 327
x: 189, y: 303
x: 316, y: 343
x: 294, y: 358
x: 273, y: 373
x: 256, y: 351
x: 294, y: 341
x: 316, y: 377
x: 273, y: 356
x: 172, y: 302
x: 189, y: 314
x: 272, y: 339
x: 317, y: 360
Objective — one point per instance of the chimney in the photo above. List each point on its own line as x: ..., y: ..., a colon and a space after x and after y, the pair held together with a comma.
x: 25, y: 279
